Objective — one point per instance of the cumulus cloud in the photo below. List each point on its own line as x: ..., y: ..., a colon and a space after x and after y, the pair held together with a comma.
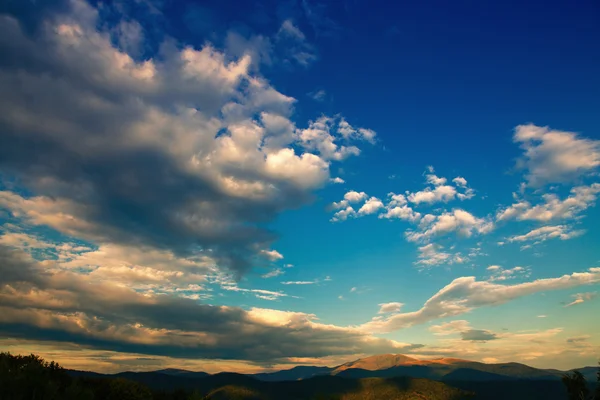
x: 460, y: 221
x: 371, y: 206
x: 552, y: 156
x: 443, y: 193
x: 324, y: 134
x: 465, y: 294
x: 187, y: 150
x: 460, y: 181
x: 432, y: 254
x: 582, y: 298
x: 337, y: 179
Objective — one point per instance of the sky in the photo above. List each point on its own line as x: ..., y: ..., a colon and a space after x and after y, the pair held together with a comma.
x: 248, y: 186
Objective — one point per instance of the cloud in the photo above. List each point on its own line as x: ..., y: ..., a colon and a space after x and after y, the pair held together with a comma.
x: 389, y: 307
x: 582, y: 298
x: 432, y: 254
x: 355, y: 197
x: 40, y: 303
x: 299, y: 282
x: 460, y: 221
x: 371, y: 206
x: 272, y: 255
x: 294, y: 44
x: 274, y: 273
x: 348, y: 132
x: 401, y: 212
x: 463, y: 328
x: 552, y: 156
x: 337, y: 180
x: 460, y: 181
x: 185, y: 150
x: 319, y: 95
x: 501, y: 274
x: 344, y: 214
x: 544, y: 233
x: 442, y: 193
x: 578, y: 339
x: 552, y: 208
x: 478, y: 335
x: 323, y: 137
x: 465, y: 294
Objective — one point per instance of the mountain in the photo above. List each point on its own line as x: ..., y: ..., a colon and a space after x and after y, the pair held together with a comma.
x: 392, y: 365
x: 336, y: 388
x: 181, y: 372
x: 382, y: 361
x: 293, y: 374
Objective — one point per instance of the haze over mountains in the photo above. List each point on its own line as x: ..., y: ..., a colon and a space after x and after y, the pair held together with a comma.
x: 386, y: 366
x: 385, y: 376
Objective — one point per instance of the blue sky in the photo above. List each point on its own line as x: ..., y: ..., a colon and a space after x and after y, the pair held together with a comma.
x: 183, y: 182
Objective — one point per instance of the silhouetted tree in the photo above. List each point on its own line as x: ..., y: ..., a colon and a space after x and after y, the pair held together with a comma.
x: 30, y: 377
x: 576, y: 386
x: 597, y: 395
x: 123, y: 389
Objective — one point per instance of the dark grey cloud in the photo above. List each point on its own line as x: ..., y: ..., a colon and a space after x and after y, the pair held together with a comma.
x: 83, y: 122
x: 65, y: 307
x: 478, y: 335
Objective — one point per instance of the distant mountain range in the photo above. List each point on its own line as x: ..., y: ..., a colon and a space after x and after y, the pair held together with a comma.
x: 391, y: 365
x: 394, y: 373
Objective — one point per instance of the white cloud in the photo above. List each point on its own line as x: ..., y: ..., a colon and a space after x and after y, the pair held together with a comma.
x: 385, y: 308
x: 337, y: 179
x: 272, y: 255
x: 465, y: 294
x: 443, y: 193
x: 544, y: 233
x: 432, y: 254
x: 371, y: 206
x: 320, y: 137
x: 404, y: 213
x: 344, y: 214
x: 553, y: 208
x: 435, y: 180
x: 299, y: 282
x: 501, y: 274
x: 355, y: 197
x: 555, y: 156
x: 581, y: 298
x: 457, y: 220
x: 460, y: 181
x: 348, y: 132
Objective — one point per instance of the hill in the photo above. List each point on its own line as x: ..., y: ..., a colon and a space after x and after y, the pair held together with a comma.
x: 336, y: 388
